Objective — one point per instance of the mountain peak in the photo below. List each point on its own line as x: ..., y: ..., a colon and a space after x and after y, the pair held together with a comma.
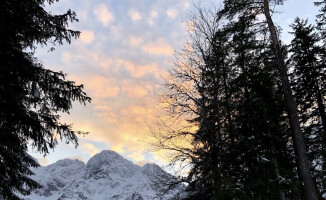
x: 107, y: 158
x: 107, y: 175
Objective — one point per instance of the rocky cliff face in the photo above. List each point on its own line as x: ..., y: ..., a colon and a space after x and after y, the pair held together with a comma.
x: 107, y: 176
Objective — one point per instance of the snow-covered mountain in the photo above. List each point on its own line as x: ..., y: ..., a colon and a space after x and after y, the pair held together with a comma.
x: 107, y: 176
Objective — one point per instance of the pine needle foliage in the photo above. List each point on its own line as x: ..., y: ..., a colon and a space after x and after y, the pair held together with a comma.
x: 31, y: 97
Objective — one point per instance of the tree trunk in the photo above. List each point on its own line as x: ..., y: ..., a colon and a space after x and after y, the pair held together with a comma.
x: 303, y: 162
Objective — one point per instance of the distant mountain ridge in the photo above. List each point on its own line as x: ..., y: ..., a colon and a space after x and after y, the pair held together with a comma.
x: 106, y: 175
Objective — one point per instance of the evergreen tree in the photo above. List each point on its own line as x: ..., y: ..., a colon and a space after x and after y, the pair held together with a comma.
x: 31, y: 96
x: 321, y: 19
x: 234, y: 8
x: 261, y: 130
x: 308, y: 79
x: 226, y: 85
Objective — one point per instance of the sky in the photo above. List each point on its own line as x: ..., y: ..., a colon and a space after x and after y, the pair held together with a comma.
x: 120, y: 57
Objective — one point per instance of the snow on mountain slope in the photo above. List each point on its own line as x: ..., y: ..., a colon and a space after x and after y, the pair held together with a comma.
x: 107, y: 176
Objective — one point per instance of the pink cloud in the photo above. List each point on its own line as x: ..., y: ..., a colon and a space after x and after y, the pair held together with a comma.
x: 103, y: 14
x: 86, y: 36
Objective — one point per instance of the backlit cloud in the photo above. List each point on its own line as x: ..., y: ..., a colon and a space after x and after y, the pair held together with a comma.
x: 139, y: 71
x: 119, y: 64
x: 103, y: 14
x: 101, y: 87
x: 138, y: 91
x: 89, y: 149
x: 137, y: 156
x: 158, y: 47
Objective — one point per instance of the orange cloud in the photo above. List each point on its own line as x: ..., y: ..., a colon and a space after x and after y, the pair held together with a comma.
x: 89, y: 149
x: 137, y: 156
x: 159, y: 47
x: 101, y: 87
x: 135, y: 70
x: 138, y: 91
x: 142, y: 70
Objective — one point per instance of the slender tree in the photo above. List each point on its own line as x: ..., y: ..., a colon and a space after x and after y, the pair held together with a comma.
x: 308, y: 83
x: 31, y: 96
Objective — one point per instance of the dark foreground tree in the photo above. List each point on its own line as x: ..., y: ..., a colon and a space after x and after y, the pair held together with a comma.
x: 224, y: 84
x: 31, y: 96
x: 308, y: 80
x: 321, y: 18
x: 254, y: 7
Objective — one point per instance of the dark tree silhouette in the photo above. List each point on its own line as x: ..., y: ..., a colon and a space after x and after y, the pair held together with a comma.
x: 233, y: 8
x: 31, y: 96
x: 308, y: 81
x: 224, y: 84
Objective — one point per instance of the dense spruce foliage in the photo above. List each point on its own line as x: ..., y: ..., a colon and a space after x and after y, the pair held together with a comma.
x: 255, y: 129
x: 309, y: 86
x: 31, y: 96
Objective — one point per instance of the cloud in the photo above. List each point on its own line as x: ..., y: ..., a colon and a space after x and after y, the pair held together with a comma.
x: 137, y: 156
x: 141, y: 163
x: 158, y: 47
x: 141, y: 70
x: 119, y: 67
x: 118, y: 148
x: 172, y: 13
x: 186, y: 5
x: 77, y: 158
x: 150, y: 22
x: 86, y: 36
x: 136, y: 71
x: 43, y: 161
x: 89, y: 149
x: 101, y: 87
x: 137, y: 91
x: 153, y: 14
x: 106, y: 112
x: 103, y: 14
x: 134, y: 41
x: 134, y: 15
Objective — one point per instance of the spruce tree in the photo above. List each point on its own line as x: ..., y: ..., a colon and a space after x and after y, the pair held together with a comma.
x: 233, y: 8
x: 321, y: 19
x: 31, y: 96
x: 308, y: 80
x: 261, y: 129
x: 225, y: 84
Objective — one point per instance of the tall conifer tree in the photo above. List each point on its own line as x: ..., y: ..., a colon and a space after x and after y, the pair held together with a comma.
x: 31, y: 97
x: 225, y: 84
x: 233, y: 8
x: 308, y: 79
